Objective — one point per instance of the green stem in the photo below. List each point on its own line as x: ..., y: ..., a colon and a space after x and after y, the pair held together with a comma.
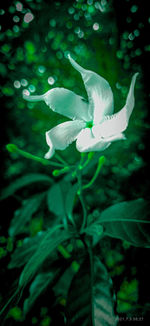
x: 63, y: 251
x: 59, y: 158
x: 37, y: 158
x: 79, y: 192
x: 56, y: 173
x: 80, y: 166
x: 99, y: 166
x: 88, y: 248
x: 14, y: 149
x: 84, y: 213
x: 90, y: 156
x: 91, y: 278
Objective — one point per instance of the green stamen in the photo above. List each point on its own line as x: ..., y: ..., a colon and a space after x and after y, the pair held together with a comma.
x: 89, y: 124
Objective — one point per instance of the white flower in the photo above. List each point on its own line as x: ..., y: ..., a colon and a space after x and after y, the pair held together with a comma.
x: 94, y: 126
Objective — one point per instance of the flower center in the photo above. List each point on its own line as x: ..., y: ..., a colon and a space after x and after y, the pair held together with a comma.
x: 89, y: 124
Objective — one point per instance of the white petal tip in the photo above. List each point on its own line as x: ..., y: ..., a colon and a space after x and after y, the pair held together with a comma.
x: 46, y: 156
x: 76, y: 65
x: 49, y: 154
x: 136, y: 75
x: 68, y: 56
x: 122, y: 136
x: 72, y: 61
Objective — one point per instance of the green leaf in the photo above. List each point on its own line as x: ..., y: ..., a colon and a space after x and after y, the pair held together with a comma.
x: 62, y: 286
x: 23, y: 253
x: 56, y: 198
x: 38, y: 286
x: 24, y: 181
x: 128, y: 221
x: 51, y: 240
x: 28, y: 209
x: 95, y: 231
x: 90, y: 299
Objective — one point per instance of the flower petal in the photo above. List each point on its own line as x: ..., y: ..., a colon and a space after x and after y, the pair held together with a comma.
x: 118, y: 122
x: 86, y: 142
x: 116, y: 137
x: 61, y: 136
x: 65, y: 102
x: 99, y: 92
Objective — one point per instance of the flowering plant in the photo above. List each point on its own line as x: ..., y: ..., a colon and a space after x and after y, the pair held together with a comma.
x: 65, y: 256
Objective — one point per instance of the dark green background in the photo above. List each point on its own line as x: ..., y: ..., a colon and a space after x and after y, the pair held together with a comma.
x: 36, y: 51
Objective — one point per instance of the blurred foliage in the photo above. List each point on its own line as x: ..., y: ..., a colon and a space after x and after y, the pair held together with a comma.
x: 110, y: 39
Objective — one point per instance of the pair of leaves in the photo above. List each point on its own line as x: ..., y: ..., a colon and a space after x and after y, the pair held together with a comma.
x: 128, y: 221
x: 23, y: 182
x: 90, y: 301
x: 25, y: 213
x: 52, y: 238
x: 50, y: 268
x: 59, y: 278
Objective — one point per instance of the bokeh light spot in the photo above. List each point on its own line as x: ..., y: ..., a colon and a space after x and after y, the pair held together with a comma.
x: 19, y: 6
x: 131, y: 37
x: 71, y: 10
x: 96, y: 26
x: 17, y: 84
x: 134, y: 8
x: 71, y: 37
x: 28, y: 17
x: 16, y: 29
x: 76, y: 17
x: 24, y: 82
x: 136, y: 32
x: 52, y: 22
x: 41, y: 69
x: 119, y: 54
x: 25, y: 92
x: 32, y: 88
x: 51, y: 80
x: 138, y: 52
x: 2, y: 12
x: 11, y: 9
x: 16, y: 19
x: 59, y: 55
